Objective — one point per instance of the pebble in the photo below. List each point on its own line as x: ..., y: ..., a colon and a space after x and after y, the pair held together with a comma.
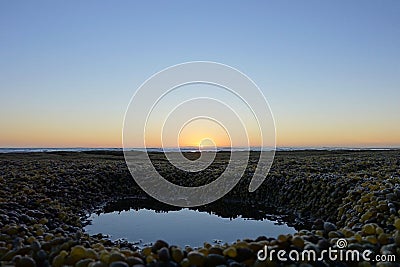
x: 230, y: 252
x: 158, y: 245
x: 216, y: 250
x: 77, y: 253
x: 368, y: 229
x: 119, y: 264
x: 97, y: 264
x: 245, y: 255
x: 177, y: 254
x: 163, y: 254
x: 297, y: 241
x: 83, y: 262
x: 196, y: 258
x: 397, y: 223
x: 328, y: 227
x: 25, y: 262
x: 134, y: 261
x: 214, y: 260
x: 116, y: 256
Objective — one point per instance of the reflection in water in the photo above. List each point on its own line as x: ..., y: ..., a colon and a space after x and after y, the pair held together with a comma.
x: 183, y: 226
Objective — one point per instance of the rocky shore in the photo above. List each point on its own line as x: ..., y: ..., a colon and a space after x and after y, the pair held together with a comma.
x: 349, y: 195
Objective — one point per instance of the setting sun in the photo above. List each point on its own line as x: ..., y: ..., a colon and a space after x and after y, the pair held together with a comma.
x: 203, y: 132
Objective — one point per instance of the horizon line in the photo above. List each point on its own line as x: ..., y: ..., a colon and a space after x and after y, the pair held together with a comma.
x: 191, y: 147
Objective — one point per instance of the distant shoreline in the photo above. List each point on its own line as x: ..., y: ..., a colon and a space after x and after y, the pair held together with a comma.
x: 192, y: 149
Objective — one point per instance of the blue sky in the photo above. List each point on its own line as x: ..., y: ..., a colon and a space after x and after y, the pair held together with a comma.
x: 329, y: 69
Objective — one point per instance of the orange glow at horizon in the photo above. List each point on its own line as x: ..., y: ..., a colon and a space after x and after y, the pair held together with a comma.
x: 188, y: 139
x: 197, y: 131
x: 97, y: 135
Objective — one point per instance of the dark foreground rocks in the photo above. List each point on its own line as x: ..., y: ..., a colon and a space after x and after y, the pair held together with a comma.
x: 347, y: 196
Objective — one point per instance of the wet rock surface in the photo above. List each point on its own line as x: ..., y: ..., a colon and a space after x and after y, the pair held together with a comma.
x: 330, y: 195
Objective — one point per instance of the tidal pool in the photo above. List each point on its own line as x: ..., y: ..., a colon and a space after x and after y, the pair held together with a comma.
x: 181, y: 227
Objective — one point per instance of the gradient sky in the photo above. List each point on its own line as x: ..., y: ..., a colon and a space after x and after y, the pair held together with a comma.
x: 329, y: 69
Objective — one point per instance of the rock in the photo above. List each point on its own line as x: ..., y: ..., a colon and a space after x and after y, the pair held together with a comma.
x: 163, y: 254
x: 8, y: 255
x: 261, y: 238
x: 91, y: 254
x: 397, y: 238
x: 59, y: 260
x: 388, y: 249
x: 214, y: 260
x: 371, y: 239
x: 397, y: 223
x: 244, y: 254
x: 35, y: 245
x: 196, y: 258
x: 147, y: 251
x: 104, y: 256
x: 25, y: 262
x: 177, y: 254
x: 185, y: 262
x: 40, y: 256
x: 166, y: 264
x: 379, y: 230
x: 97, y: 264
x: 23, y: 250
x: 383, y: 239
x: 368, y: 229
x: 241, y: 244
x: 232, y: 263
x: 255, y: 246
x: 323, y: 244
x: 328, y: 227
x: 203, y: 251
x: 83, y: 262
x: 150, y: 259
x: 215, y: 250
x: 134, y: 261
x: 297, y: 241
x: 318, y: 225
x: 334, y: 234
x: 116, y: 256
x: 230, y: 252
x: 119, y: 264
x: 158, y: 245
x: 282, y: 238
x: 207, y: 245
x: 77, y: 253
x: 259, y: 263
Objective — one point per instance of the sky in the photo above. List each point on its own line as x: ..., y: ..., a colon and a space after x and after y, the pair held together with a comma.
x: 330, y: 70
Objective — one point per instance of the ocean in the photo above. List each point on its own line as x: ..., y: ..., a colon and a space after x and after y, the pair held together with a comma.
x: 185, y: 149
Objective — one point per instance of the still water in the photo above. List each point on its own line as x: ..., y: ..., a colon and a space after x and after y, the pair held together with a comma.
x: 181, y: 227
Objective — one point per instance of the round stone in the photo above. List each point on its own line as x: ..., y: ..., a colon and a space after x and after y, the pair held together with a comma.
x: 163, y: 254
x: 177, y: 255
x: 196, y: 258
x: 25, y: 262
x: 230, y: 252
x: 119, y: 264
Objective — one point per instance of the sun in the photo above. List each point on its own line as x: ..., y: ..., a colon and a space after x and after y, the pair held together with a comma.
x: 203, y: 134
x: 207, y: 144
